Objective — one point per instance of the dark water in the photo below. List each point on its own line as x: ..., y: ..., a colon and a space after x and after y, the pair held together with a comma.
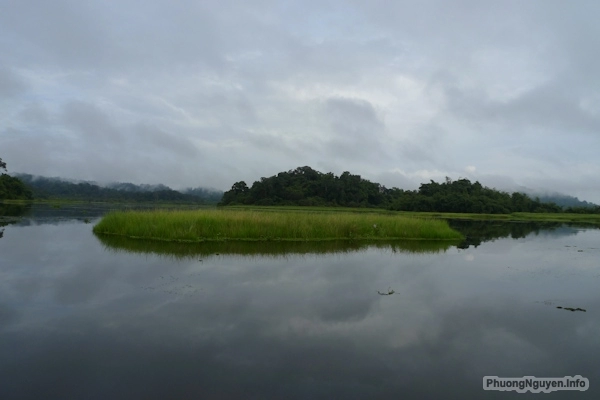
x: 89, y: 318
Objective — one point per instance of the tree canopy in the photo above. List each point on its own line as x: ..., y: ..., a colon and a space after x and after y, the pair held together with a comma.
x: 304, y: 186
x: 12, y: 188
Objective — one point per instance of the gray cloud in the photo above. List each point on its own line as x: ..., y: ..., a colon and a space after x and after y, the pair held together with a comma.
x: 10, y: 83
x: 88, y: 122
x: 225, y: 91
x: 356, y: 130
x: 34, y: 114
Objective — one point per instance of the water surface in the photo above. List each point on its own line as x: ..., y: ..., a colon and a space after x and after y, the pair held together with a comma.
x: 85, y: 317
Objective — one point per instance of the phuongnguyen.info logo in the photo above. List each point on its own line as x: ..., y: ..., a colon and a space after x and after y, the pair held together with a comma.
x: 536, y: 385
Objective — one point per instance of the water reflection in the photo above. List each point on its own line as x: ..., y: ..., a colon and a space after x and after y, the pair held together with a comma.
x: 478, y: 232
x: 13, y: 209
x: 81, y: 320
x: 77, y: 321
x: 10, y: 213
x: 475, y: 232
x: 52, y: 213
x: 270, y: 248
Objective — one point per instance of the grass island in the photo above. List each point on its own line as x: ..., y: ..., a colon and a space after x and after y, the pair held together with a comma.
x: 283, y: 225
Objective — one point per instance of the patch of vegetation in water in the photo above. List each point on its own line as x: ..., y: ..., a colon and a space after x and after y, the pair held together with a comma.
x: 220, y: 225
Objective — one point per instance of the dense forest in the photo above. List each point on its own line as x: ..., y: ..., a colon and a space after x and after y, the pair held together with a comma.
x: 12, y: 188
x: 304, y: 186
x: 56, y: 188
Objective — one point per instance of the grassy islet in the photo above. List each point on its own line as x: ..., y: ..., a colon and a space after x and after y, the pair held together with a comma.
x: 206, y: 225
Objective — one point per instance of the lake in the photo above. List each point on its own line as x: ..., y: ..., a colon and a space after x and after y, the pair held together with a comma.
x: 83, y: 317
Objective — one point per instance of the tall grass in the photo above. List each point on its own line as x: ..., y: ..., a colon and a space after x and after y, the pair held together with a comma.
x: 202, y: 225
x: 517, y: 216
x: 593, y: 219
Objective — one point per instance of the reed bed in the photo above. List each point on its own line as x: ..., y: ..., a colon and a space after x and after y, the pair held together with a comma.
x: 205, y: 225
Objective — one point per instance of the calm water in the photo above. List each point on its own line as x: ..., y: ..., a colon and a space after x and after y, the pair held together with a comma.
x: 82, y: 318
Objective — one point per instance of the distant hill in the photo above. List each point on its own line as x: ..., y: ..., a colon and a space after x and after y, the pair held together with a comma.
x: 564, y: 200
x: 130, y: 187
x: 59, y: 188
x: 209, y: 195
x: 306, y: 187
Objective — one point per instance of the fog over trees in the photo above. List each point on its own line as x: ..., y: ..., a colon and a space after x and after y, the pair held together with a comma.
x: 304, y: 186
x: 56, y: 188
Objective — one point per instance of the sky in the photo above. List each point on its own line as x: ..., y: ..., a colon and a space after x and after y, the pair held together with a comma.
x: 208, y: 93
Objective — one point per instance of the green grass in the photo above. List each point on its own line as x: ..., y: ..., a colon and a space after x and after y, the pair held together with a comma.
x: 206, y: 225
x: 561, y: 217
x: 519, y: 216
x: 514, y: 217
x: 327, y: 209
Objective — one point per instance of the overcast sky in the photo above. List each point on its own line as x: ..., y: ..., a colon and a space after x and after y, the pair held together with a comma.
x: 207, y: 93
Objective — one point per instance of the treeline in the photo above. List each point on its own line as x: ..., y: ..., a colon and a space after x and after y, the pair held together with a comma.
x: 12, y: 188
x: 583, y: 210
x: 304, y: 186
x: 55, y: 188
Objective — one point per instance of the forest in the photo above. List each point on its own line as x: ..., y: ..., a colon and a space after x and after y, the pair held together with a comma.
x: 304, y: 186
x: 44, y: 188
x: 12, y: 188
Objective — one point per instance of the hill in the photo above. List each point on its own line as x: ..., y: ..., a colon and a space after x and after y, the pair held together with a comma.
x: 58, y: 188
x: 304, y: 186
x: 564, y: 200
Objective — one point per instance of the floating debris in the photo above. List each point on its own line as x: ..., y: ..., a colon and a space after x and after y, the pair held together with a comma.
x: 389, y: 292
x: 572, y: 309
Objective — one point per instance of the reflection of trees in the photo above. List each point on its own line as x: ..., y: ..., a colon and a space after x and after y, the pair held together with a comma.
x: 4, y: 223
x: 272, y: 248
x: 8, y: 214
x: 477, y: 232
x: 13, y: 210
